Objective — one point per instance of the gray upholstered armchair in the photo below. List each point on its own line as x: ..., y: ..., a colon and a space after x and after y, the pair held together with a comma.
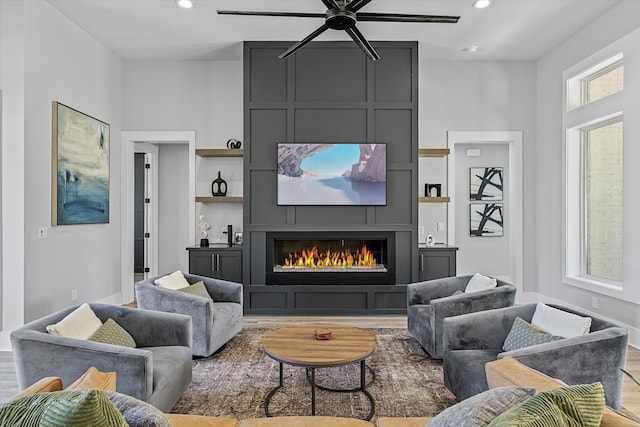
x: 215, y: 320
x: 474, y: 339
x: 430, y: 302
x: 157, y: 371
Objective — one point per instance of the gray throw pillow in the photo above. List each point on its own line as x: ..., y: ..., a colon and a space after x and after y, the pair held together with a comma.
x: 136, y: 412
x: 523, y: 334
x: 481, y: 409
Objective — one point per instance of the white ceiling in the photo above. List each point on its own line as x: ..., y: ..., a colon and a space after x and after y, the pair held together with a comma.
x: 160, y: 30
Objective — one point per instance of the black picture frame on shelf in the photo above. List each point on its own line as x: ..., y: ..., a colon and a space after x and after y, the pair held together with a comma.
x: 429, y: 190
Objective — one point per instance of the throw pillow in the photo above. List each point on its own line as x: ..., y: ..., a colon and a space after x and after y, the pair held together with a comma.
x: 522, y: 335
x: 76, y: 408
x: 198, y: 289
x: 457, y: 293
x: 93, y: 378
x: 481, y: 409
x: 480, y: 283
x: 136, y: 412
x: 174, y: 281
x: 560, y: 322
x: 574, y: 406
x: 112, y: 333
x: 81, y: 323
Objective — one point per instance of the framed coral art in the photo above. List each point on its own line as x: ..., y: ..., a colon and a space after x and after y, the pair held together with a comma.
x: 486, y: 219
x: 79, y: 167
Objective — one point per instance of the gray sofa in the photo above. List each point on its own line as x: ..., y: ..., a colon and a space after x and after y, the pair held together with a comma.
x: 158, y: 371
x: 430, y: 302
x: 472, y: 340
x: 215, y: 321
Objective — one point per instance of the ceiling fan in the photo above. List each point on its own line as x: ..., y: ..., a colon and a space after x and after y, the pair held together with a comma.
x: 343, y: 15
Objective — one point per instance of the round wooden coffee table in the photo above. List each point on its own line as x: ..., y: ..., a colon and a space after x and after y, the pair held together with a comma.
x: 297, y: 346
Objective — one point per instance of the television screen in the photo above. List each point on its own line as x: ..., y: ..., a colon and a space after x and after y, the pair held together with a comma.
x: 332, y: 174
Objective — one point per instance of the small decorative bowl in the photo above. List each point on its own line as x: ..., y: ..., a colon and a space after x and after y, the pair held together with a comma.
x: 322, y: 334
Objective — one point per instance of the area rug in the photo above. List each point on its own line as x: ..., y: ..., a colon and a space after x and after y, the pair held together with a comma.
x: 235, y: 382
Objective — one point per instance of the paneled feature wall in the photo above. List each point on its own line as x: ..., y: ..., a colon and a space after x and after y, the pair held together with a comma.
x: 329, y: 92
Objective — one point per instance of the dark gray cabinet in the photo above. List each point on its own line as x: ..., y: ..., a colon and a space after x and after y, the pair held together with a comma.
x: 436, y: 262
x: 222, y: 262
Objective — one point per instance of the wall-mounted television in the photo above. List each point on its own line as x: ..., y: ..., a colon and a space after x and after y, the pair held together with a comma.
x: 343, y: 174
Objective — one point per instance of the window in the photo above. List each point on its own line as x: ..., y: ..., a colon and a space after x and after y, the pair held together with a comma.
x: 593, y: 243
x: 603, y: 201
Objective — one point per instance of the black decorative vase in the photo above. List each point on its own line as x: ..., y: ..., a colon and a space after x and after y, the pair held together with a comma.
x: 219, y: 187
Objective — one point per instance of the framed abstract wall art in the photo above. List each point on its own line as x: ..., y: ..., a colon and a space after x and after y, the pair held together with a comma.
x: 486, y: 219
x: 485, y: 184
x: 79, y: 167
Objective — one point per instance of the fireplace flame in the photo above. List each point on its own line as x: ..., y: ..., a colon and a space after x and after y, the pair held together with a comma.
x: 316, y: 259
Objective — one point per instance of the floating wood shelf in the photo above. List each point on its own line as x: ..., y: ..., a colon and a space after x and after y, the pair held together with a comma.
x: 433, y: 152
x: 219, y: 152
x: 211, y: 199
x: 434, y: 199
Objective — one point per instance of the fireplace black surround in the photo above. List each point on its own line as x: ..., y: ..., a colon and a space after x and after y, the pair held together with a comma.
x: 281, y: 245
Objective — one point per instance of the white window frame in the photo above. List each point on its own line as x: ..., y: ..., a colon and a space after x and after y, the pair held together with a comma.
x: 578, y: 118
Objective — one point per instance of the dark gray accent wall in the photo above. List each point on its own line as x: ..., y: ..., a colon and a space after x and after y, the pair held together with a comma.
x: 329, y: 92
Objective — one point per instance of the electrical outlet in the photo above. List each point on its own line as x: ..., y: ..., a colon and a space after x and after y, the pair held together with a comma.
x: 74, y: 294
x: 594, y: 302
x: 440, y: 226
x: 223, y: 229
x: 42, y: 233
x: 420, y: 230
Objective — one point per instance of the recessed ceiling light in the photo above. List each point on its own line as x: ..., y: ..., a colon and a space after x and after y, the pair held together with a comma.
x: 481, y: 4
x: 185, y: 4
x: 470, y: 49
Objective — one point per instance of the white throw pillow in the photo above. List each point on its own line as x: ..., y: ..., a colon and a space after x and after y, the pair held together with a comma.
x: 81, y: 323
x: 559, y: 322
x: 479, y: 283
x: 174, y: 281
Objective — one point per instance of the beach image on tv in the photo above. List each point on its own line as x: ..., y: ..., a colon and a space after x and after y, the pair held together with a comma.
x: 332, y: 174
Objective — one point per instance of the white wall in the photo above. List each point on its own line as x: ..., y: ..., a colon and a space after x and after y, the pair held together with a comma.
x: 173, y: 208
x: 64, y: 64
x: 477, y: 96
x: 547, y: 243
x: 205, y: 96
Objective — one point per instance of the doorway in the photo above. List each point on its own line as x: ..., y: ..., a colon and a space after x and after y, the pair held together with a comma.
x: 185, y: 229
x: 501, y: 147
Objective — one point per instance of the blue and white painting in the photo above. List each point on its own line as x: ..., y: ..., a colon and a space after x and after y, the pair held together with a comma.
x: 332, y: 174
x: 81, y: 145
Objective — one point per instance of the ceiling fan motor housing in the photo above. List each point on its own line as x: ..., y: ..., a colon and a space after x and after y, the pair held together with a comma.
x: 340, y: 19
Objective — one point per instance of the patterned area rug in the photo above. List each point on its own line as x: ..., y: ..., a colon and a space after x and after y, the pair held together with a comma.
x: 236, y: 381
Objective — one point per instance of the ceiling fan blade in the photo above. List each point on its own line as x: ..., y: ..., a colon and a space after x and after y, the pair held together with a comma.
x: 292, y: 14
x: 356, y: 5
x: 304, y: 41
x: 366, y: 47
x: 331, y: 4
x: 401, y: 17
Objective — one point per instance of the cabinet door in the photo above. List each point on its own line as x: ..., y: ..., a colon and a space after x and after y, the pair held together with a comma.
x: 436, y: 264
x: 228, y: 265
x: 200, y: 263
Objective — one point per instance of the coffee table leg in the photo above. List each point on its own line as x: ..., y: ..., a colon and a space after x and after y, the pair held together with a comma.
x: 313, y: 391
x: 267, y: 399
x: 363, y: 389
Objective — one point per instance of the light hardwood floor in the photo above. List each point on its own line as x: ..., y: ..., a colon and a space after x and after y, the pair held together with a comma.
x: 630, y: 393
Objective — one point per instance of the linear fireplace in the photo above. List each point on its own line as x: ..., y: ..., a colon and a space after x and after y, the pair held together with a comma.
x: 330, y: 258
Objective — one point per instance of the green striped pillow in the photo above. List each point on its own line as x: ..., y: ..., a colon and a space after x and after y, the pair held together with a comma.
x: 198, y: 289
x: 572, y: 406
x: 78, y: 408
x: 112, y: 333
